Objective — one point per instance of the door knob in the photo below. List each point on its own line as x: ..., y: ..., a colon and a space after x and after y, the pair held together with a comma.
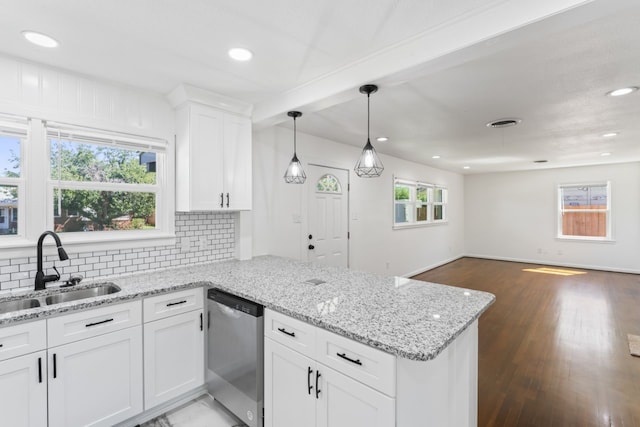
x: 311, y: 247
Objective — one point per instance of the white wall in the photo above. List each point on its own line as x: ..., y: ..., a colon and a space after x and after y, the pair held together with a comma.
x: 373, y: 242
x: 512, y: 216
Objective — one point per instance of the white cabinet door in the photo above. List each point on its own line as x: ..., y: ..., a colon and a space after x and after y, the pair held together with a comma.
x: 173, y: 357
x: 23, y: 391
x: 97, y: 381
x: 237, y: 162
x: 344, y: 402
x: 289, y: 387
x: 213, y: 160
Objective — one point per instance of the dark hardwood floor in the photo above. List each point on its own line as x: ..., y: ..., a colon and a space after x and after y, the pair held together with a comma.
x: 553, y: 348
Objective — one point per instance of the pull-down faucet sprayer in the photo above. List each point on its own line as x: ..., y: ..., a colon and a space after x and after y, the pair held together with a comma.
x: 41, y: 278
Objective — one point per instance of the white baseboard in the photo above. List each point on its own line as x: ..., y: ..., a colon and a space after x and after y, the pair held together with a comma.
x: 432, y: 266
x: 556, y: 264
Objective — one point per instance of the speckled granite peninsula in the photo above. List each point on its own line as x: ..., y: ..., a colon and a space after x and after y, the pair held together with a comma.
x: 411, y: 319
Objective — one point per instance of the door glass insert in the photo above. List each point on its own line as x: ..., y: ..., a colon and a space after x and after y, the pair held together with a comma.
x: 328, y: 184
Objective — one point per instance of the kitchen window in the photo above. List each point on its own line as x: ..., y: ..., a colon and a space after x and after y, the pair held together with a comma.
x: 102, y: 181
x: 417, y: 203
x: 94, y: 187
x: 13, y: 134
x: 584, y: 211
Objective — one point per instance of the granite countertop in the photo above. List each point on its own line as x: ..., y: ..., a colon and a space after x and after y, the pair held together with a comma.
x: 411, y: 319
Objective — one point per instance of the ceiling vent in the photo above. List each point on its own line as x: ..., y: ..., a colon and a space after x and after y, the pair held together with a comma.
x: 503, y: 123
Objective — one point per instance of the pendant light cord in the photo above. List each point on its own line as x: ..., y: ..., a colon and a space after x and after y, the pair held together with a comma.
x: 294, y: 136
x: 368, y: 114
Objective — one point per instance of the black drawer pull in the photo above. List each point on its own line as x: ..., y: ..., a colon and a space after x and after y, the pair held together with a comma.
x: 176, y: 303
x: 309, y: 386
x: 201, y: 322
x: 40, y: 369
x: 344, y: 356
x: 1, y: 345
x: 88, y: 325
x: 284, y: 331
x: 55, y: 368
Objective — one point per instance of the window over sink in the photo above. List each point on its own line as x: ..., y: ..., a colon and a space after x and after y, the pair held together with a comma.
x: 89, y: 185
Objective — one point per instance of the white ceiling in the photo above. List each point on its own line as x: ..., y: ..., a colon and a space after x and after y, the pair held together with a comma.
x: 552, y: 73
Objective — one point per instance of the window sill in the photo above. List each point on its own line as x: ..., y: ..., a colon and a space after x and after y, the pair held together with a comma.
x: 585, y: 239
x: 418, y: 225
x: 20, y: 247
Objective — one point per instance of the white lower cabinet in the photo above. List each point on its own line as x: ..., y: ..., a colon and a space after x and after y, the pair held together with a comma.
x: 96, y: 381
x: 302, y: 392
x: 23, y: 391
x: 173, y: 357
x: 173, y: 345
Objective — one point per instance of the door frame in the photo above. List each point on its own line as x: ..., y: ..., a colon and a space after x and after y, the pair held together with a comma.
x: 304, y: 241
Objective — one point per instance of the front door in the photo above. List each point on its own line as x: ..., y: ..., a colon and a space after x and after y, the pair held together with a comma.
x: 328, y: 213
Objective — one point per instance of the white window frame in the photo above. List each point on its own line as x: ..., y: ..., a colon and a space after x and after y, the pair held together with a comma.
x: 414, y: 202
x: 35, y: 196
x: 560, y: 211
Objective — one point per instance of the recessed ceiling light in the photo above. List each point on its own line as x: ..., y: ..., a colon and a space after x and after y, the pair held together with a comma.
x: 609, y: 134
x: 240, y: 54
x: 605, y: 154
x: 466, y: 167
x: 382, y: 139
x: 435, y: 157
x: 503, y: 123
x: 622, y: 91
x: 40, y: 39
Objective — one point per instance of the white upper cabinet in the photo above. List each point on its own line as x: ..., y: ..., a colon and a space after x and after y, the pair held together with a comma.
x: 213, y: 155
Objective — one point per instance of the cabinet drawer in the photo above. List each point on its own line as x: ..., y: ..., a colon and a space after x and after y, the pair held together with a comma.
x: 91, y: 323
x: 368, y: 365
x: 23, y: 339
x: 173, y: 303
x: 293, y: 333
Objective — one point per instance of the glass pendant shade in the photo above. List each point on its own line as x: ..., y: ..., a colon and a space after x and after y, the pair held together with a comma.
x: 369, y: 164
x: 294, y: 173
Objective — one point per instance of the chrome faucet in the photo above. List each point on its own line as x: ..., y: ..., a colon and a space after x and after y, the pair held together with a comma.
x: 41, y: 278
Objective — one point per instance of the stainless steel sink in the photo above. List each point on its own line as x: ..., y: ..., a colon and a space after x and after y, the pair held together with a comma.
x: 74, y: 295
x: 18, y: 304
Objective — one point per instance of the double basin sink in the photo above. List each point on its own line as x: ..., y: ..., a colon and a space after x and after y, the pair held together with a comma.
x: 58, y: 297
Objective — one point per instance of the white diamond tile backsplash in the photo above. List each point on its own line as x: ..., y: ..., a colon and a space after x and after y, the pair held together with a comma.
x: 200, y: 237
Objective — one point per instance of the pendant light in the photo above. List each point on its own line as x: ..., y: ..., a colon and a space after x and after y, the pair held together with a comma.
x: 294, y: 173
x: 369, y: 165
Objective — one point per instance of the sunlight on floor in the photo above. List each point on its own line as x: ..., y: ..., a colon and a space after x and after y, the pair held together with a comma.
x: 556, y: 271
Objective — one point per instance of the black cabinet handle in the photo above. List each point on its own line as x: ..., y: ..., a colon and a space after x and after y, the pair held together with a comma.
x: 311, y: 247
x: 222, y: 200
x: 176, y: 303
x: 208, y: 320
x: 88, y: 325
x: 55, y: 370
x: 40, y: 369
x: 201, y: 322
x: 344, y: 356
x: 227, y: 199
x: 309, y: 386
x: 317, y: 388
x: 284, y: 331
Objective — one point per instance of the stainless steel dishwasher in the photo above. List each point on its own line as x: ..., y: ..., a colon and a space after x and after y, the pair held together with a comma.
x: 235, y: 355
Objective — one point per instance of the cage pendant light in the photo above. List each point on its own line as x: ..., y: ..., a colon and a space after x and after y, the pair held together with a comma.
x: 294, y: 173
x: 369, y: 164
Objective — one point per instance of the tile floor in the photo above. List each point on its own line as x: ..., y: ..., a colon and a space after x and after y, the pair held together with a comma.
x: 201, y: 412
